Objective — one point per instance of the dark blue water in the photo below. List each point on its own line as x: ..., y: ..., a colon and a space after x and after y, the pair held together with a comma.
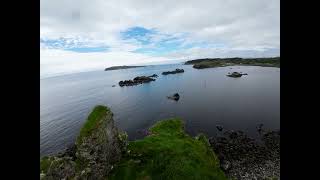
x: 207, y: 98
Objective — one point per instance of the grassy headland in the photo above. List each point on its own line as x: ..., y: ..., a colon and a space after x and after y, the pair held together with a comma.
x: 169, y: 153
x: 221, y: 62
x: 102, y: 152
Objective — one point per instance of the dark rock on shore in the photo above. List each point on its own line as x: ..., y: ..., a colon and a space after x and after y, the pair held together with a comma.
x: 173, y: 72
x: 136, y: 81
x: 242, y: 157
x: 175, y: 97
x: 113, y: 85
x: 259, y: 128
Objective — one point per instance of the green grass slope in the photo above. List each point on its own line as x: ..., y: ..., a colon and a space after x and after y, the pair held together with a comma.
x: 169, y: 153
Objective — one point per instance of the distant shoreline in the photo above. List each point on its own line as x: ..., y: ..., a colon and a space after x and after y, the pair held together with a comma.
x: 121, y: 67
x: 222, y: 62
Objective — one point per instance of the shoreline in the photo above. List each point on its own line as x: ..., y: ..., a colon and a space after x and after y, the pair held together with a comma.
x: 223, y: 62
x: 243, y: 157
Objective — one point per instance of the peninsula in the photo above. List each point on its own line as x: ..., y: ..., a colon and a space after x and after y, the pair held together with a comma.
x: 221, y: 62
x: 101, y: 151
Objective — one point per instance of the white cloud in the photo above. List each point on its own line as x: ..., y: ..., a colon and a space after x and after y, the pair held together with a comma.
x: 246, y: 28
x: 54, y: 62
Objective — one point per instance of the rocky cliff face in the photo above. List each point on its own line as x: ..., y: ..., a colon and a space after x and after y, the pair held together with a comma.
x: 98, y: 147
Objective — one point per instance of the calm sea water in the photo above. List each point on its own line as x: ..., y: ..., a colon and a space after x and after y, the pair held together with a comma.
x: 207, y: 98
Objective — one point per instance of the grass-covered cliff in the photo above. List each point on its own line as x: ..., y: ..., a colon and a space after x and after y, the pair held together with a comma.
x: 169, y: 153
x: 102, y: 152
x: 98, y: 147
x: 220, y: 62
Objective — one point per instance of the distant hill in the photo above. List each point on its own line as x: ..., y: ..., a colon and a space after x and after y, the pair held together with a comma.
x: 121, y: 67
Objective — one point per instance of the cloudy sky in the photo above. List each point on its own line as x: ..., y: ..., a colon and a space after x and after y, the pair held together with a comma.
x: 85, y: 35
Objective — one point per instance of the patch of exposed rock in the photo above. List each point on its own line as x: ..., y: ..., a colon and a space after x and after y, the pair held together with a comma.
x: 98, y: 147
x: 244, y: 158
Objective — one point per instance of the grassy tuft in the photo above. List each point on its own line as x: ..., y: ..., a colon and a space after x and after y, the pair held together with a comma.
x: 93, y: 121
x: 45, y: 163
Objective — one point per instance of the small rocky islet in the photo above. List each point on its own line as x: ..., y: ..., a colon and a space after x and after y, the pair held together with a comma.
x: 173, y: 72
x: 137, y: 80
x: 175, y: 97
x: 236, y: 74
x: 146, y: 79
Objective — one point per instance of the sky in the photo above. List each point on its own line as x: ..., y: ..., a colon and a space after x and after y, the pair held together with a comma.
x: 85, y: 35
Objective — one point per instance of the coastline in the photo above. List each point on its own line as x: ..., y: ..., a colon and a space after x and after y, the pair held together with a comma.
x: 102, y: 151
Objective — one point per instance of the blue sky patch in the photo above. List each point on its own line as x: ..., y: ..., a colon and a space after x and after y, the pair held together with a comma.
x: 72, y: 45
x: 139, y: 34
x: 153, y: 42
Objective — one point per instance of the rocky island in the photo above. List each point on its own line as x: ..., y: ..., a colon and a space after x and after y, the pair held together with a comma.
x: 173, y: 72
x: 121, y: 67
x: 137, y: 80
x: 221, y: 62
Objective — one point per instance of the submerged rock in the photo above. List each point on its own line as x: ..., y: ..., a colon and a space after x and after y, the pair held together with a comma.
x: 154, y: 75
x: 173, y: 72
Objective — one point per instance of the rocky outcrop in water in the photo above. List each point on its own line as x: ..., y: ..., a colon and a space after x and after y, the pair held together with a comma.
x: 173, y: 72
x: 154, y: 75
x: 98, y: 147
x: 175, y: 97
x: 137, y: 80
x: 236, y: 74
x: 242, y: 157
